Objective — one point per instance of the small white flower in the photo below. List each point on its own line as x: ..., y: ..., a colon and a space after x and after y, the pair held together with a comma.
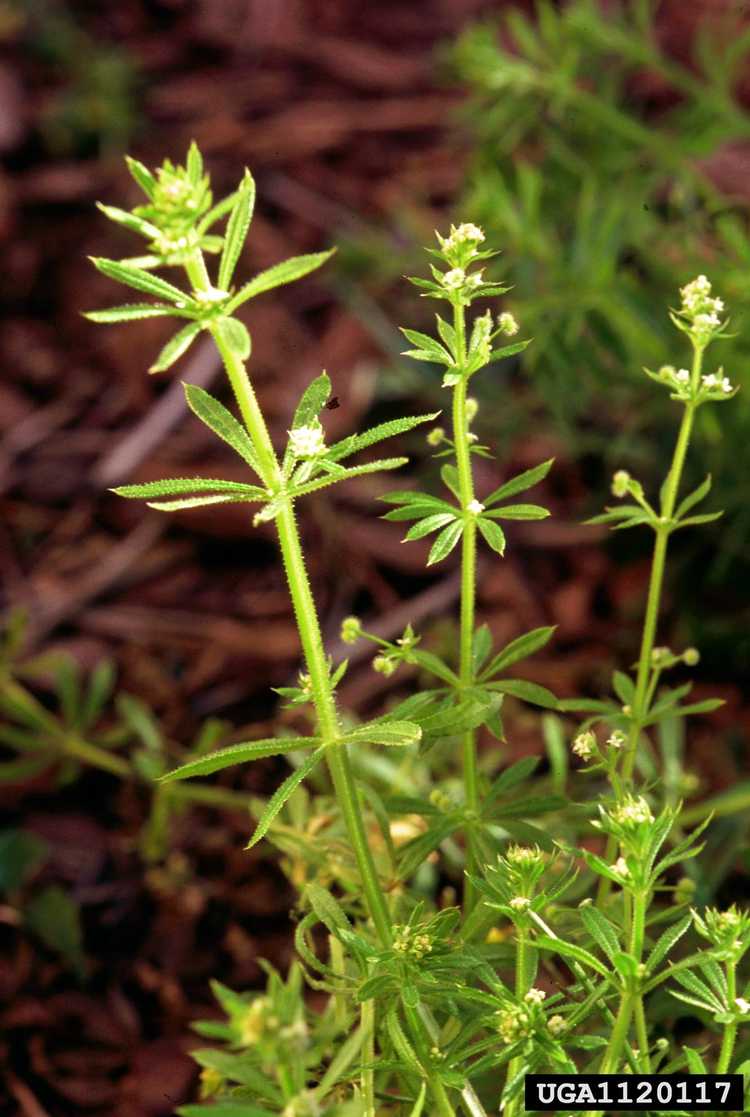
x: 454, y: 279
x: 706, y: 321
x: 617, y: 739
x: 475, y: 279
x: 682, y: 376
x: 535, y: 996
x: 520, y: 903
x: 467, y: 231
x: 742, y: 1004
x: 507, y: 324
x: 584, y: 745
x: 632, y: 810
x: 621, y: 867
x: 307, y: 442
x: 556, y: 1025
x: 475, y: 507
x: 711, y: 381
x: 211, y: 295
x: 726, y: 384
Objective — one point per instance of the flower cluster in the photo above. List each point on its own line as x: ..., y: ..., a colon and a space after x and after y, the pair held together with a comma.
x: 411, y: 941
x: 700, y: 309
x: 307, y: 442
x: 633, y: 810
x: 462, y: 243
x: 728, y: 931
x: 393, y: 655
x: 351, y: 630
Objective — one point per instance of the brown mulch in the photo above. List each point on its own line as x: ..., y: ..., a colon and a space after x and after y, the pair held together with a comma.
x: 340, y: 111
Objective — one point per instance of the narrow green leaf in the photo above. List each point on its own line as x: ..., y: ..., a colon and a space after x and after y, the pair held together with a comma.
x: 508, y: 350
x: 194, y: 163
x: 436, y: 666
x: 601, y: 930
x: 445, y: 542
x: 432, y: 349
x: 129, y: 220
x: 528, y: 692
x: 176, y: 346
x: 312, y: 402
x: 694, y: 521
x: 353, y: 471
x: 188, y: 502
x: 519, y: 483
x: 509, y: 779
x: 520, y: 648
x: 236, y: 337
x: 570, y: 950
x: 671, y: 936
x: 142, y: 176
x: 222, y: 423
x: 172, y: 486
x: 280, y: 796
x: 241, y: 753
x: 519, y: 512
x: 327, y: 908
x: 236, y: 231
x: 139, y: 279
x: 492, y: 534
x: 279, y: 275
x: 449, y: 475
x: 354, y: 442
x: 427, y: 526
x: 394, y: 734
x: 130, y: 312
x: 693, y: 498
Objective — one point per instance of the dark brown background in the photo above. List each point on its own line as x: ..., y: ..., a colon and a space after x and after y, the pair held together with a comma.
x: 343, y: 114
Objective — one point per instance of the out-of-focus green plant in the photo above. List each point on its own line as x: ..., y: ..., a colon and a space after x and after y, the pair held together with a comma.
x: 93, y: 110
x: 603, y: 204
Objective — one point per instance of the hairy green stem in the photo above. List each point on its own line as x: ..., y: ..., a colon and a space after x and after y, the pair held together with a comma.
x: 523, y: 981
x: 653, y: 602
x: 367, y: 1070
x: 730, y: 1030
x: 317, y: 666
x: 468, y: 589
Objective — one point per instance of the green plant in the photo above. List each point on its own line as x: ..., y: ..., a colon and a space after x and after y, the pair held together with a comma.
x: 432, y: 1007
x: 592, y: 161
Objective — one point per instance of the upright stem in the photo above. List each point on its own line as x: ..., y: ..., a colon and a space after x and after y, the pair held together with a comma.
x: 730, y: 1030
x: 317, y: 666
x: 468, y: 588
x: 656, y: 582
x: 653, y: 602
x: 522, y: 988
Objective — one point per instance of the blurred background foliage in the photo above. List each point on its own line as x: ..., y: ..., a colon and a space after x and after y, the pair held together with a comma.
x: 610, y: 173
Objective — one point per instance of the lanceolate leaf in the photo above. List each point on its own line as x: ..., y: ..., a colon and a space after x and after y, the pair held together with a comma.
x: 445, y: 542
x: 142, y: 176
x: 130, y: 312
x: 129, y: 221
x: 509, y: 350
x: 237, y: 226
x: 139, y: 279
x: 279, y: 275
x: 176, y: 346
x: 279, y: 798
x: 239, y: 754
x: 492, y: 534
x: 392, y: 733
x: 312, y: 402
x: 693, y: 498
x: 529, y: 692
x: 221, y: 422
x: 354, y: 471
x: 354, y: 442
x: 236, y: 336
x: 200, y: 501
x: 428, y: 525
x: 519, y: 512
x: 175, y: 485
x: 518, y: 649
x: 519, y: 483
